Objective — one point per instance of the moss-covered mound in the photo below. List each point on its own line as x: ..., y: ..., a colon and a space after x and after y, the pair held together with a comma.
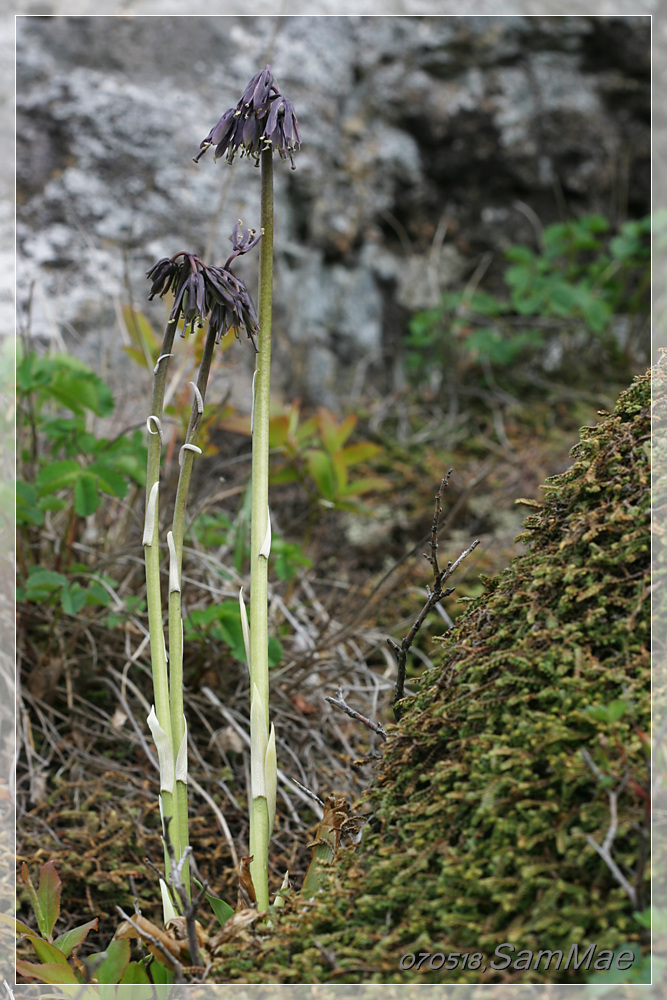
x: 498, y: 778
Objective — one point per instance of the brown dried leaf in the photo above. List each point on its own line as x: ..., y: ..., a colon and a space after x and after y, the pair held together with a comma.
x: 246, y: 894
x: 233, y: 928
x: 146, y: 931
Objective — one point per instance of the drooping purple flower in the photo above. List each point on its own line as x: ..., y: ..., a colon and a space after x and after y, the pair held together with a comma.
x: 262, y: 119
x: 203, y: 291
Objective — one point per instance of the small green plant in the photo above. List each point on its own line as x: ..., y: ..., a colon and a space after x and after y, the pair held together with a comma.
x: 315, y: 453
x: 65, y: 473
x: 57, y: 960
x: 581, y: 276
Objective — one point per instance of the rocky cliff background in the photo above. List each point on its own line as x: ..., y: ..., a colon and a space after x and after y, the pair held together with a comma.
x: 430, y: 144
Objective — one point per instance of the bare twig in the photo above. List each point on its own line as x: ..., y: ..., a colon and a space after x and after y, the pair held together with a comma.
x: 144, y: 935
x: 308, y: 792
x: 339, y: 702
x: 433, y: 596
x: 604, y: 851
x: 189, y: 908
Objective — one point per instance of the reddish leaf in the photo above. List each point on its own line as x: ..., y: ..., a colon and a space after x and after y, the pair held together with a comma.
x: 51, y: 972
x: 34, y: 900
x: 49, y: 895
x: 46, y: 952
x: 15, y: 924
x: 360, y: 452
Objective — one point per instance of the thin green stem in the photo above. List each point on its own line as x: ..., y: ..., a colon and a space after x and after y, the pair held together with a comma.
x: 259, y: 634
x: 180, y: 833
x: 152, y: 551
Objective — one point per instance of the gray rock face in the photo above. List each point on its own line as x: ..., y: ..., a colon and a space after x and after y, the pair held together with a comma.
x: 427, y: 142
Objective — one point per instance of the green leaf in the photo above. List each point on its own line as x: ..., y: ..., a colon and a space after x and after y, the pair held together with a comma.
x: 597, y: 314
x: 27, y: 511
x: 68, y: 941
x: 16, y: 925
x: 50, y: 972
x: 73, y: 598
x: 86, y: 495
x: 57, y: 476
x: 322, y: 472
x: 114, y: 962
x: 49, y: 895
x: 223, y: 911
x: 370, y: 483
x: 360, y: 452
x: 77, y: 387
x: 45, y: 951
x: 42, y: 583
x: 110, y: 480
x: 135, y: 975
x: 275, y: 652
x: 97, y: 595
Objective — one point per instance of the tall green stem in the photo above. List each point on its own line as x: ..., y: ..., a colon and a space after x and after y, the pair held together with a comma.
x: 260, y: 822
x: 152, y: 555
x: 178, y: 727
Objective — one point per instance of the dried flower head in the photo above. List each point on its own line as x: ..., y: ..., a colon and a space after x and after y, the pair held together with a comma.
x: 263, y: 119
x: 202, y: 290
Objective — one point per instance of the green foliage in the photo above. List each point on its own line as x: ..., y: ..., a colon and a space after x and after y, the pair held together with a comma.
x: 315, y: 453
x: 222, y: 910
x: 57, y: 962
x: 579, y: 279
x: 218, y: 530
x: 222, y: 623
x: 66, y: 472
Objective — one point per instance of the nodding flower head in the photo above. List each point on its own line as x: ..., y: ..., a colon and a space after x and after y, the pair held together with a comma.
x: 263, y: 119
x: 202, y: 291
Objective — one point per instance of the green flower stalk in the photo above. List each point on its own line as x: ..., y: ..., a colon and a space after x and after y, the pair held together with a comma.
x: 200, y: 293
x: 263, y: 122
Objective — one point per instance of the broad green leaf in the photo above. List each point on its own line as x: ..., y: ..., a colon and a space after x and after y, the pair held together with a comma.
x: 44, y: 579
x: 27, y: 511
x: 520, y: 254
x: 97, y: 595
x: 77, y: 387
x: 45, y: 951
x: 114, y: 961
x: 73, y: 598
x: 57, y: 475
x: 597, y: 314
x: 49, y: 895
x: 68, y: 941
x: 86, y: 495
x: 135, y: 975
x: 49, y: 972
x: 110, y: 480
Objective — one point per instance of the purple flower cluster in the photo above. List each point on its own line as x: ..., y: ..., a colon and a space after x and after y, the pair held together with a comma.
x: 263, y: 119
x: 202, y: 291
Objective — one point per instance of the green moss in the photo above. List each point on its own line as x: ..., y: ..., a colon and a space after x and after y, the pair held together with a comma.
x: 484, y: 798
